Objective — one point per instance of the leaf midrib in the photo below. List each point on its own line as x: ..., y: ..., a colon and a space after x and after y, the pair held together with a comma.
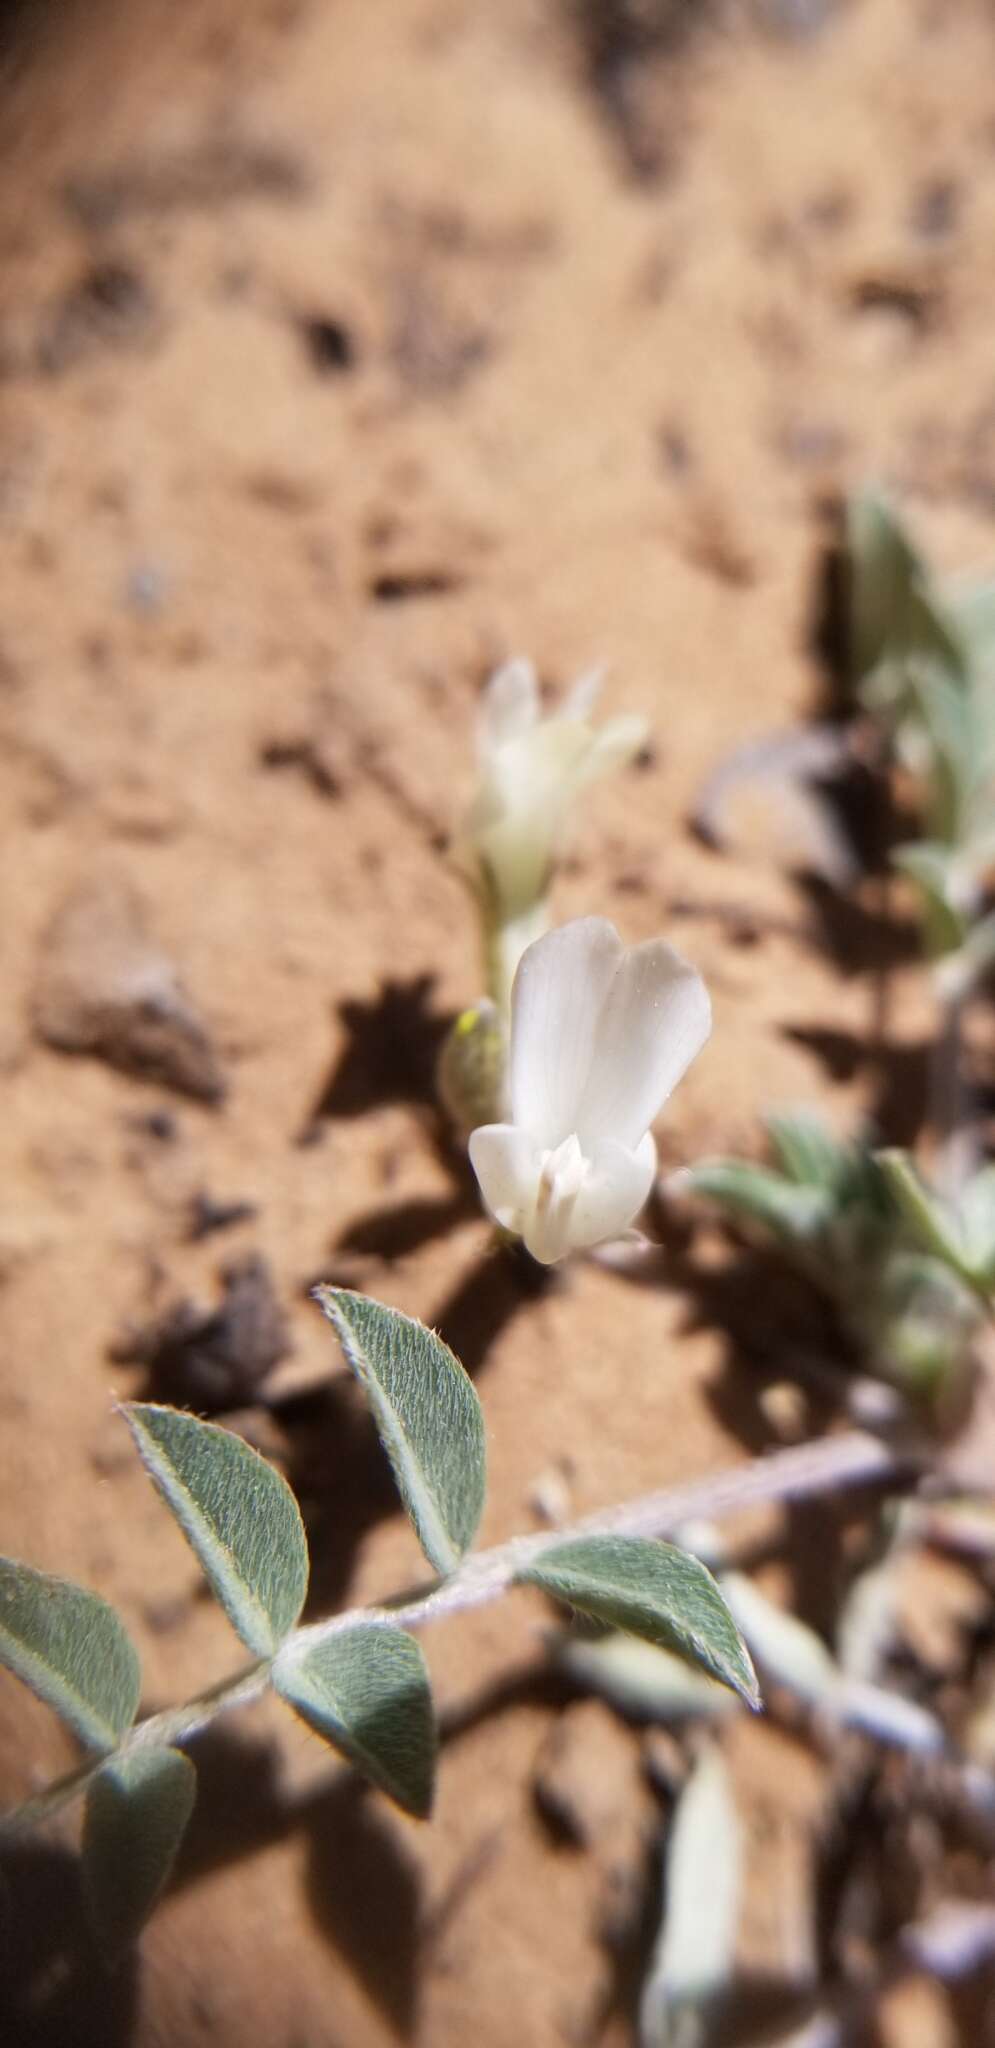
x: 250, y: 1608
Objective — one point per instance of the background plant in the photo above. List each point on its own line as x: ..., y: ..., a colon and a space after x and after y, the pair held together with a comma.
x: 907, y: 1266
x: 904, y: 1255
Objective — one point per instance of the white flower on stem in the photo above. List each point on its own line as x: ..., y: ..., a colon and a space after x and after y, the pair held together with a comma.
x: 600, y: 1037
x: 531, y: 768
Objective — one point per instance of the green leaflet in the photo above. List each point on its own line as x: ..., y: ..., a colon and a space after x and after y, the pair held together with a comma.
x: 977, y: 1207
x: 237, y: 1514
x: 427, y: 1415
x: 754, y: 1194
x: 933, y: 867
x: 963, y: 1238
x: 972, y: 608
x: 366, y: 1690
x: 807, y: 1152
x: 71, y: 1649
x: 654, y: 1590
x: 884, y: 570
x: 930, y: 1220
x: 137, y: 1809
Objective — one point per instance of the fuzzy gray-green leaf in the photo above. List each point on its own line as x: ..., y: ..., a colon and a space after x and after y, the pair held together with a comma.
x: 933, y: 646
x: 137, y: 1809
x: 692, y: 1962
x: 807, y: 1152
x: 653, y: 1590
x: 71, y: 1649
x: 972, y: 608
x: 884, y: 570
x: 979, y: 949
x: 237, y: 1514
x: 753, y: 1194
x: 932, y: 1223
x: 978, y: 1223
x: 963, y: 1238
x: 366, y: 1690
x: 427, y: 1415
x: 933, y: 869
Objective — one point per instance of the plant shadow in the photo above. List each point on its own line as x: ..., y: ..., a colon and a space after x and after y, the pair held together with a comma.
x: 364, y: 1890
x: 362, y: 1883
x: 55, y: 1992
x: 859, y: 940
x: 342, y: 1481
x: 391, y: 1050
x: 400, y: 1228
x: 899, y: 1103
x: 487, y: 1299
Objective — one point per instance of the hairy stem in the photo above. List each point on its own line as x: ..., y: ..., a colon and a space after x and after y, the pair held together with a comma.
x: 856, y: 1459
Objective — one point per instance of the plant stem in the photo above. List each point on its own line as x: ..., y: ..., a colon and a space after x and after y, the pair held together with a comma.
x: 504, y: 943
x: 855, y: 1459
x: 174, y: 1724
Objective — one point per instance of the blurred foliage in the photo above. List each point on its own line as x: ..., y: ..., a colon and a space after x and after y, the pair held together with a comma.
x: 922, y: 664
x: 910, y: 1307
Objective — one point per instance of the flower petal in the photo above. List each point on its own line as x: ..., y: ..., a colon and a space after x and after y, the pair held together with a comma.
x: 510, y: 705
x: 615, y: 1188
x: 655, y: 1018
x: 548, y: 1232
x: 560, y: 988
x: 525, y: 792
x: 582, y: 696
x: 505, y: 1163
x: 614, y: 746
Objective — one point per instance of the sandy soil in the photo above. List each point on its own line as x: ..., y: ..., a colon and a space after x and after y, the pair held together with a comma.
x: 344, y: 349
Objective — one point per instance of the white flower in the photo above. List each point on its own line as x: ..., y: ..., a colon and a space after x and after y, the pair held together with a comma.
x: 530, y: 769
x: 600, y: 1037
